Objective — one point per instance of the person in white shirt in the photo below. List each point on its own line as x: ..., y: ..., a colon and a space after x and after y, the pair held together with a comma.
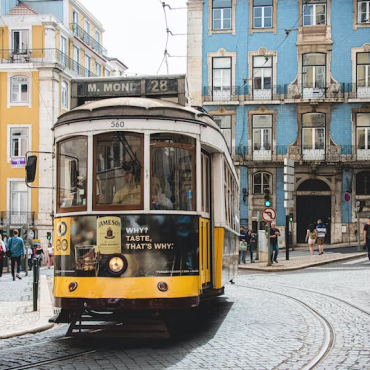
x: 50, y: 255
x: 2, y: 255
x: 29, y: 256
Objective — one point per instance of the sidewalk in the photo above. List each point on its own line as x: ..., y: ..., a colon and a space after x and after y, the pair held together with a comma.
x: 16, y: 304
x: 297, y: 261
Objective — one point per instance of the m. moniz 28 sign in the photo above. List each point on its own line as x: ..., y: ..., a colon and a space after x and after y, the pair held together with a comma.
x: 127, y: 87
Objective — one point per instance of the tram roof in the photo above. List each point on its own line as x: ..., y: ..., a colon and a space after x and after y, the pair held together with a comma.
x: 135, y: 108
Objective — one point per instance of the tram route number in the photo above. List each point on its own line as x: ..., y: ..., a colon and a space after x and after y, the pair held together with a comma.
x: 161, y: 86
x: 117, y: 124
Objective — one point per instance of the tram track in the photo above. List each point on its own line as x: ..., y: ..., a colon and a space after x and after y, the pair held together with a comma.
x: 329, y: 333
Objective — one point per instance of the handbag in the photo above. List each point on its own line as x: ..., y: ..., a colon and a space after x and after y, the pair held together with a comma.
x: 243, y: 246
x: 8, y: 253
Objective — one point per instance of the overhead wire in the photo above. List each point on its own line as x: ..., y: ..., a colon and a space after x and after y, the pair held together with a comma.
x: 167, y: 38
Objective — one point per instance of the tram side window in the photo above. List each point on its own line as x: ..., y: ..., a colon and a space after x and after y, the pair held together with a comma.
x: 119, y: 170
x: 72, y: 165
x: 172, y: 181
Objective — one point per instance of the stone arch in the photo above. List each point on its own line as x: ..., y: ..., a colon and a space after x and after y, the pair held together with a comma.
x: 326, y: 186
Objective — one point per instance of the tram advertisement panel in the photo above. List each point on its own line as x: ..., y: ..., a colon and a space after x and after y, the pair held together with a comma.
x: 152, y: 245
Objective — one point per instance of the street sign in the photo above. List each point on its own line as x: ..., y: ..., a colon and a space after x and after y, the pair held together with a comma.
x: 347, y: 197
x: 268, y: 214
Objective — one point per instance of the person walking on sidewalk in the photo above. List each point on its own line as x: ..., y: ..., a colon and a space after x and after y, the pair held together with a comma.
x: 16, y: 247
x: 311, y: 237
x: 274, y: 233
x: 2, y: 255
x: 30, y: 257
x: 38, y: 254
x: 50, y: 255
x: 320, y: 235
x: 242, y: 245
x: 367, y: 236
x: 249, y: 243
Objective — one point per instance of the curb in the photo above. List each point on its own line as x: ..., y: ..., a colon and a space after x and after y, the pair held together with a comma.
x: 301, y: 267
x: 32, y: 330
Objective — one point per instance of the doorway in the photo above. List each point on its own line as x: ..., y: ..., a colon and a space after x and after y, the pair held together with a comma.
x: 309, y: 209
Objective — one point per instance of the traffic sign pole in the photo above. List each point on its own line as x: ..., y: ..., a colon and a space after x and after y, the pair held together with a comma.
x: 269, y: 261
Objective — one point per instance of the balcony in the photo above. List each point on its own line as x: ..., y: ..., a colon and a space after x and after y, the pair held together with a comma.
x: 17, y: 218
x: 274, y: 93
x: 41, y: 56
x: 221, y: 94
x: 308, y: 92
x: 88, y: 40
x: 358, y: 91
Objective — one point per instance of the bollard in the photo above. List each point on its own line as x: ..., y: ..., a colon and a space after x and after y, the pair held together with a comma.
x: 36, y: 272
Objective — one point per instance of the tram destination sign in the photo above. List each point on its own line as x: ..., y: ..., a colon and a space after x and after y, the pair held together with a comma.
x: 98, y: 88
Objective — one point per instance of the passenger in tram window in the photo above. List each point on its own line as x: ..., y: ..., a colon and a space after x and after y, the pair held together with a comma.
x: 130, y: 194
x: 103, y: 192
x: 159, y: 200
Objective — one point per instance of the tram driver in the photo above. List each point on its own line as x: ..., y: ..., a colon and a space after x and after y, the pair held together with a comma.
x: 130, y: 194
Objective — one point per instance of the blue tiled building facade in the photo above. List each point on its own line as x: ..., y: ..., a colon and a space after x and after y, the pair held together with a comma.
x: 289, y: 79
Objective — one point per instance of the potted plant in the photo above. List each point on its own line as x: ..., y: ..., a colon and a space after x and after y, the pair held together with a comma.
x: 297, y: 96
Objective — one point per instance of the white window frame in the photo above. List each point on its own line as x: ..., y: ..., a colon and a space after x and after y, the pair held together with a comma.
x: 363, y: 91
x: 314, y: 153
x: 265, y: 150
x: 263, y: 93
x: 9, y: 193
x: 98, y: 68
x: 222, y: 10
x: 367, y: 12
x: 21, y: 49
x: 19, y: 85
x: 363, y: 153
x: 315, y: 91
x: 76, y: 52
x: 262, y: 16
x: 107, y: 72
x: 220, y: 121
x: 221, y: 92
x: 64, y: 95
x: 63, y: 49
x: 263, y: 185
x: 87, y: 65
x: 9, y: 138
x: 314, y: 5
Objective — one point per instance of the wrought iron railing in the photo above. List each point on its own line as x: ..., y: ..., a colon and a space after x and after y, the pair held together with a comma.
x: 221, y: 94
x: 88, y: 40
x: 358, y: 91
x: 16, y: 218
x: 252, y: 93
x: 307, y: 91
x: 44, y: 56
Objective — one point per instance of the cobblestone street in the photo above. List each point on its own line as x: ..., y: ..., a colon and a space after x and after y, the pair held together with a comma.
x: 313, y: 318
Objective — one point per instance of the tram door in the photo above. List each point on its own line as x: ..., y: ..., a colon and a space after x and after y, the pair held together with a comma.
x: 204, y: 222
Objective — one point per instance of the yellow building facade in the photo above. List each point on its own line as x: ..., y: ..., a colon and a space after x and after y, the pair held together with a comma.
x: 43, y: 46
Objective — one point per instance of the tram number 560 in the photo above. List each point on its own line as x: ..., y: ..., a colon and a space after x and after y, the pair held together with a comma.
x: 117, y: 124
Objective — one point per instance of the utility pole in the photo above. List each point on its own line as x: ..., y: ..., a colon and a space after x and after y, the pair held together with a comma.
x: 267, y: 229
x: 358, y: 206
x: 259, y: 219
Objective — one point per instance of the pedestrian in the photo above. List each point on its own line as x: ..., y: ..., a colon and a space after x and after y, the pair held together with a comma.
x: 320, y: 235
x: 39, y: 253
x: 16, y: 247
x: 249, y: 243
x: 367, y: 236
x: 242, y: 245
x: 2, y: 255
x: 50, y: 255
x: 311, y: 237
x: 29, y: 257
x: 274, y: 234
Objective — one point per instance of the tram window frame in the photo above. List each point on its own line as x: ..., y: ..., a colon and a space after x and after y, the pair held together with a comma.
x: 117, y: 207
x: 78, y: 208
x: 206, y: 182
x: 155, y: 143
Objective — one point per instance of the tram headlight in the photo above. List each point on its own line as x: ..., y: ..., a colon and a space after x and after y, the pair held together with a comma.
x: 116, y: 264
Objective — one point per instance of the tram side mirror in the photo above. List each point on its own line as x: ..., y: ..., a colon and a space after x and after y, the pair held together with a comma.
x: 31, y: 168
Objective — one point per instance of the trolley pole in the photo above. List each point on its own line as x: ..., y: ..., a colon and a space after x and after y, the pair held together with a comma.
x: 258, y: 229
x: 269, y: 262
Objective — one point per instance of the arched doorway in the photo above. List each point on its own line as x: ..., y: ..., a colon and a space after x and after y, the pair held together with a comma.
x: 313, y: 202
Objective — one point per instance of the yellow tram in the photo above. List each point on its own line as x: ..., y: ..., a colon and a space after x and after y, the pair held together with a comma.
x: 147, y: 206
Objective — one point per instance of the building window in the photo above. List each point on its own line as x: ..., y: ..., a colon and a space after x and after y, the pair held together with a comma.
x: 262, y: 137
x: 75, y: 22
x: 65, y: 94
x: 63, y: 49
x: 221, y: 78
x: 262, y: 78
x: 18, y: 199
x: 314, y: 72
x: 20, y: 41
x: 225, y: 124
x: 363, y: 75
x: 19, y: 141
x: 76, y: 59
x: 98, y: 69
x: 363, y: 12
x: 97, y: 41
x: 261, y: 181
x: 19, y: 89
x: 87, y: 31
x: 262, y: 13
x: 363, y: 183
x: 314, y: 13
x: 87, y: 66
x: 363, y: 135
x: 107, y: 72
x: 313, y: 136
x: 221, y: 15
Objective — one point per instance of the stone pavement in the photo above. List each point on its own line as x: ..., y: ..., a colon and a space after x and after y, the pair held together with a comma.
x: 297, y: 261
x: 16, y: 304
